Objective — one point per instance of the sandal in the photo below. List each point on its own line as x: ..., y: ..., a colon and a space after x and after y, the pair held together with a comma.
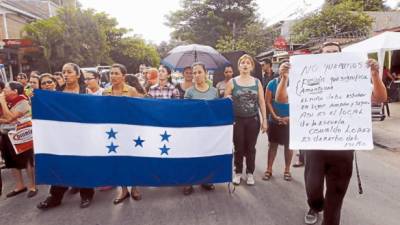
x: 298, y: 164
x: 16, y: 192
x: 119, y: 200
x: 188, y: 190
x: 287, y: 176
x: 267, y: 175
x: 208, y: 187
x: 136, y: 194
x: 32, y: 193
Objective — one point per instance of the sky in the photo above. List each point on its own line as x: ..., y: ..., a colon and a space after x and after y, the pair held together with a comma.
x: 147, y: 17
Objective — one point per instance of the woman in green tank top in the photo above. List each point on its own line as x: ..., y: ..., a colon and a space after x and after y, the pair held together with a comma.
x: 248, y: 99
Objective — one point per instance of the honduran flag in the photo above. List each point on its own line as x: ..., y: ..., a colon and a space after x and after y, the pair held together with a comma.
x: 91, y: 141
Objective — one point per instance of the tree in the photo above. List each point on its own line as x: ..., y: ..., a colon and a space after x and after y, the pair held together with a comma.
x: 110, y: 27
x: 254, y: 39
x: 133, y: 51
x: 204, y: 22
x: 48, y: 35
x: 87, y: 38
x: 332, y: 19
x: 71, y: 36
x: 164, y: 47
x: 364, y: 5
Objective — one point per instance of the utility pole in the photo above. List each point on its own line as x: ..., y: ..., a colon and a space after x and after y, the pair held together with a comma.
x: 69, y: 3
x: 234, y: 35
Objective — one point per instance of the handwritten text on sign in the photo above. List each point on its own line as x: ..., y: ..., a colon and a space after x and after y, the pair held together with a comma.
x: 330, y: 102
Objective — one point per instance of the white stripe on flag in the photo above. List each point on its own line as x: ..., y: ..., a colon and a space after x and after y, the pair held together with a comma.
x: 81, y: 139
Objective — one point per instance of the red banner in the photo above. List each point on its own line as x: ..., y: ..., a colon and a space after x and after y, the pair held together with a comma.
x: 17, y: 43
x: 280, y: 43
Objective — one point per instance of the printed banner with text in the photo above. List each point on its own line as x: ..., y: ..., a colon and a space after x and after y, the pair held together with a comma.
x: 330, y: 102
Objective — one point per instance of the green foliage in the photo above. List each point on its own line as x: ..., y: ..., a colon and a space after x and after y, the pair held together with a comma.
x: 132, y: 51
x: 364, y: 5
x: 109, y: 27
x: 84, y: 42
x: 87, y: 38
x: 48, y: 35
x: 254, y: 39
x: 332, y: 19
x: 72, y: 36
x: 204, y: 22
x: 227, y: 44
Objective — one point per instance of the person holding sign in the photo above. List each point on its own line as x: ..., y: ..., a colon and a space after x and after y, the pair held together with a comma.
x: 334, y: 166
x: 278, y: 132
x: 248, y: 99
x: 15, y: 107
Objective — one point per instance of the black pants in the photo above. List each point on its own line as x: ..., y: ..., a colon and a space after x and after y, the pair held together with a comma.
x: 301, y: 156
x: 335, y: 167
x: 1, y: 183
x: 57, y: 193
x: 245, y: 133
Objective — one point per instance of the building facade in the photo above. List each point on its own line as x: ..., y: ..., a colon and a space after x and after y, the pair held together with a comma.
x: 14, y: 15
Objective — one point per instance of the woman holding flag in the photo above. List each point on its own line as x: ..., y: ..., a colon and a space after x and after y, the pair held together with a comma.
x: 74, y: 83
x: 120, y: 88
x: 200, y: 90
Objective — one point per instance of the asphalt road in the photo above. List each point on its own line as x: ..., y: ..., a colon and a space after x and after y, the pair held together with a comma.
x: 274, y: 202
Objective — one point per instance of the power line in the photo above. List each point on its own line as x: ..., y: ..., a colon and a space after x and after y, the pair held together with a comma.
x: 286, y: 10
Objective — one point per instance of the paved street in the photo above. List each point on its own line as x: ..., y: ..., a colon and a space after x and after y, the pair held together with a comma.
x: 274, y: 202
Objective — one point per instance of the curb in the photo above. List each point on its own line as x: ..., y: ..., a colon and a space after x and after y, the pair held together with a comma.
x: 396, y: 149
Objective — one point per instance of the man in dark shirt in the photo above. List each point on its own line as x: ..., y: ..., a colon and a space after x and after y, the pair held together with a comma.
x: 267, y: 73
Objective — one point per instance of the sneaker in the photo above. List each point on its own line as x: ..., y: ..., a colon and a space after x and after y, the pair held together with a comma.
x: 236, y: 178
x: 250, y: 179
x: 311, y: 217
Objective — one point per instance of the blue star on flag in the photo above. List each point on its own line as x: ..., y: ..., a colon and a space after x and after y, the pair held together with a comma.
x: 138, y: 142
x: 164, y: 150
x: 112, y: 134
x: 165, y: 136
x: 112, y: 148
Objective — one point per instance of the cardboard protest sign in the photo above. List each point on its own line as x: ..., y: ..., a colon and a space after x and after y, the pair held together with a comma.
x: 330, y: 102
x: 21, y: 137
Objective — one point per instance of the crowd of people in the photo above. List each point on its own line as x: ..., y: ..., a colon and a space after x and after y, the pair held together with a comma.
x: 259, y: 105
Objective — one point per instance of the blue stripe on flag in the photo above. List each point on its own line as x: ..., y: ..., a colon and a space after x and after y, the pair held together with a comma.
x: 67, y: 107
x: 95, y: 171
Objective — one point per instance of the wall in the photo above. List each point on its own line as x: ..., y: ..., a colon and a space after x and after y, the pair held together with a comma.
x: 15, y: 25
